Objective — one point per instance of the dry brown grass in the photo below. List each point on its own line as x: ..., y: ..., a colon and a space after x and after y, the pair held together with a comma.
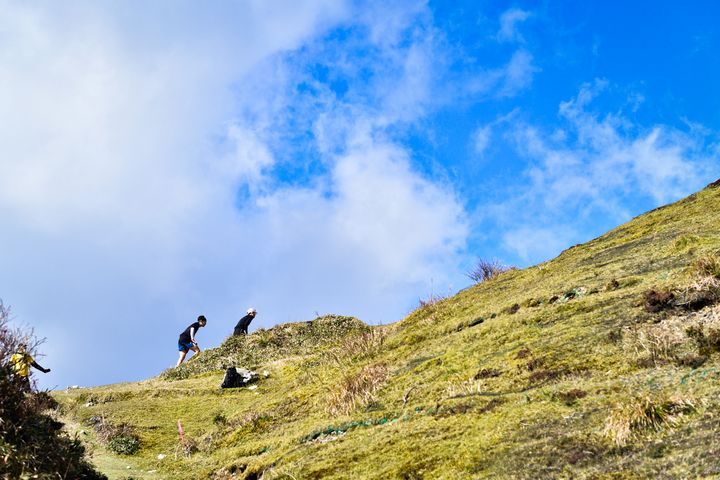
x: 708, y: 266
x: 656, y: 343
x: 644, y: 414
x: 357, y: 389
x: 365, y: 344
x: 464, y: 389
x: 703, y: 288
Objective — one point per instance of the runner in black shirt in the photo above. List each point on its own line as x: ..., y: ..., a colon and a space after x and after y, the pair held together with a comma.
x: 187, y: 339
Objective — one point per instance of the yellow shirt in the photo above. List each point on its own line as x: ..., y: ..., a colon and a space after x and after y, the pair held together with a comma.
x: 21, y: 363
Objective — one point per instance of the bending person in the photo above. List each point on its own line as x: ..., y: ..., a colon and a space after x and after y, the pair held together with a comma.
x: 242, y: 326
x: 187, y: 339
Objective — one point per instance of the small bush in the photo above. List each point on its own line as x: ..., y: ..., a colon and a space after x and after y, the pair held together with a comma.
x: 512, y: 309
x: 642, y: 414
x: 487, y: 373
x: 219, y: 419
x: 120, y: 439
x: 124, y: 444
x: 571, y: 396
x: 690, y: 360
x: 539, y: 376
x: 357, y: 389
x: 523, y: 353
x: 487, y: 270
x: 707, y: 343
x: 658, y: 300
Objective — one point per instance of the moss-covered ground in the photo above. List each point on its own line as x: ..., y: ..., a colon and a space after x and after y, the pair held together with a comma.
x: 555, y: 371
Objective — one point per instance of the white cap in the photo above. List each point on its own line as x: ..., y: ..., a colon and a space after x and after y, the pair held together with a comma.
x: 251, y: 310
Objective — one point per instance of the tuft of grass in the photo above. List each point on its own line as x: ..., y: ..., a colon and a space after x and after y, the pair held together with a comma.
x: 357, y: 389
x: 708, y: 266
x: 654, y: 344
x: 364, y: 345
x: 120, y: 438
x: 630, y: 419
x: 706, y: 340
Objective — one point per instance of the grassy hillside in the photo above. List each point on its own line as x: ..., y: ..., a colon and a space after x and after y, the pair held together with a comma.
x: 601, y: 363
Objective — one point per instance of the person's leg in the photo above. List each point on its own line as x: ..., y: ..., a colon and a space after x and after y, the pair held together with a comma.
x: 195, y: 349
x: 182, y: 357
x: 25, y: 384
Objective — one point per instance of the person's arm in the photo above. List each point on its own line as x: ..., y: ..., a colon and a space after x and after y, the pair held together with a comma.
x: 192, y: 335
x: 39, y: 367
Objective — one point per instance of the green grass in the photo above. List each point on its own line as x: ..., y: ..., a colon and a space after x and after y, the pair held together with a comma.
x: 538, y: 391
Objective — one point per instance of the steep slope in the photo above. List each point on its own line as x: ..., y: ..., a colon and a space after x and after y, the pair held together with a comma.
x: 601, y: 363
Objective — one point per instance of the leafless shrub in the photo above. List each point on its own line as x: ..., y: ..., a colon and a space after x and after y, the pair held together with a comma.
x: 431, y: 299
x: 486, y: 270
x: 357, y: 389
x: 641, y: 414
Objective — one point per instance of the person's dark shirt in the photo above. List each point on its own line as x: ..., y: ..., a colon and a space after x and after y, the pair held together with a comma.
x: 185, y: 336
x: 242, y: 326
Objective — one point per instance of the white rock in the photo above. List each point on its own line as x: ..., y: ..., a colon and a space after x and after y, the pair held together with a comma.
x: 252, y: 387
x: 161, y: 456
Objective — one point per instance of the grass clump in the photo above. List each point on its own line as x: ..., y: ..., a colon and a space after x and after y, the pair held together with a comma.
x: 357, y: 389
x: 707, y: 340
x: 120, y: 439
x: 639, y: 415
x: 654, y: 344
x: 704, y: 286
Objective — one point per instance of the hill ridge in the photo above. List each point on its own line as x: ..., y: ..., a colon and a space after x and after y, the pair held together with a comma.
x: 599, y: 363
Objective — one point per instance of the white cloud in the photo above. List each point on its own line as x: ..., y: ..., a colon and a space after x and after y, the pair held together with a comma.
x: 538, y: 241
x: 481, y: 139
x: 509, y: 21
x: 593, y: 169
x: 518, y: 73
x: 505, y: 81
x: 142, y: 183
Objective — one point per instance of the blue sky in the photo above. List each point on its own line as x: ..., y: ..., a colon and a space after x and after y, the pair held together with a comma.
x: 165, y: 160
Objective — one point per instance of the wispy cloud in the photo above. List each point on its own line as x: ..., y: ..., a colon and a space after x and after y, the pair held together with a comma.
x: 509, y: 21
x: 595, y: 167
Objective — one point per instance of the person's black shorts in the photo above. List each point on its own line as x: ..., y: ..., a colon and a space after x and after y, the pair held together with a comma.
x: 184, y: 347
